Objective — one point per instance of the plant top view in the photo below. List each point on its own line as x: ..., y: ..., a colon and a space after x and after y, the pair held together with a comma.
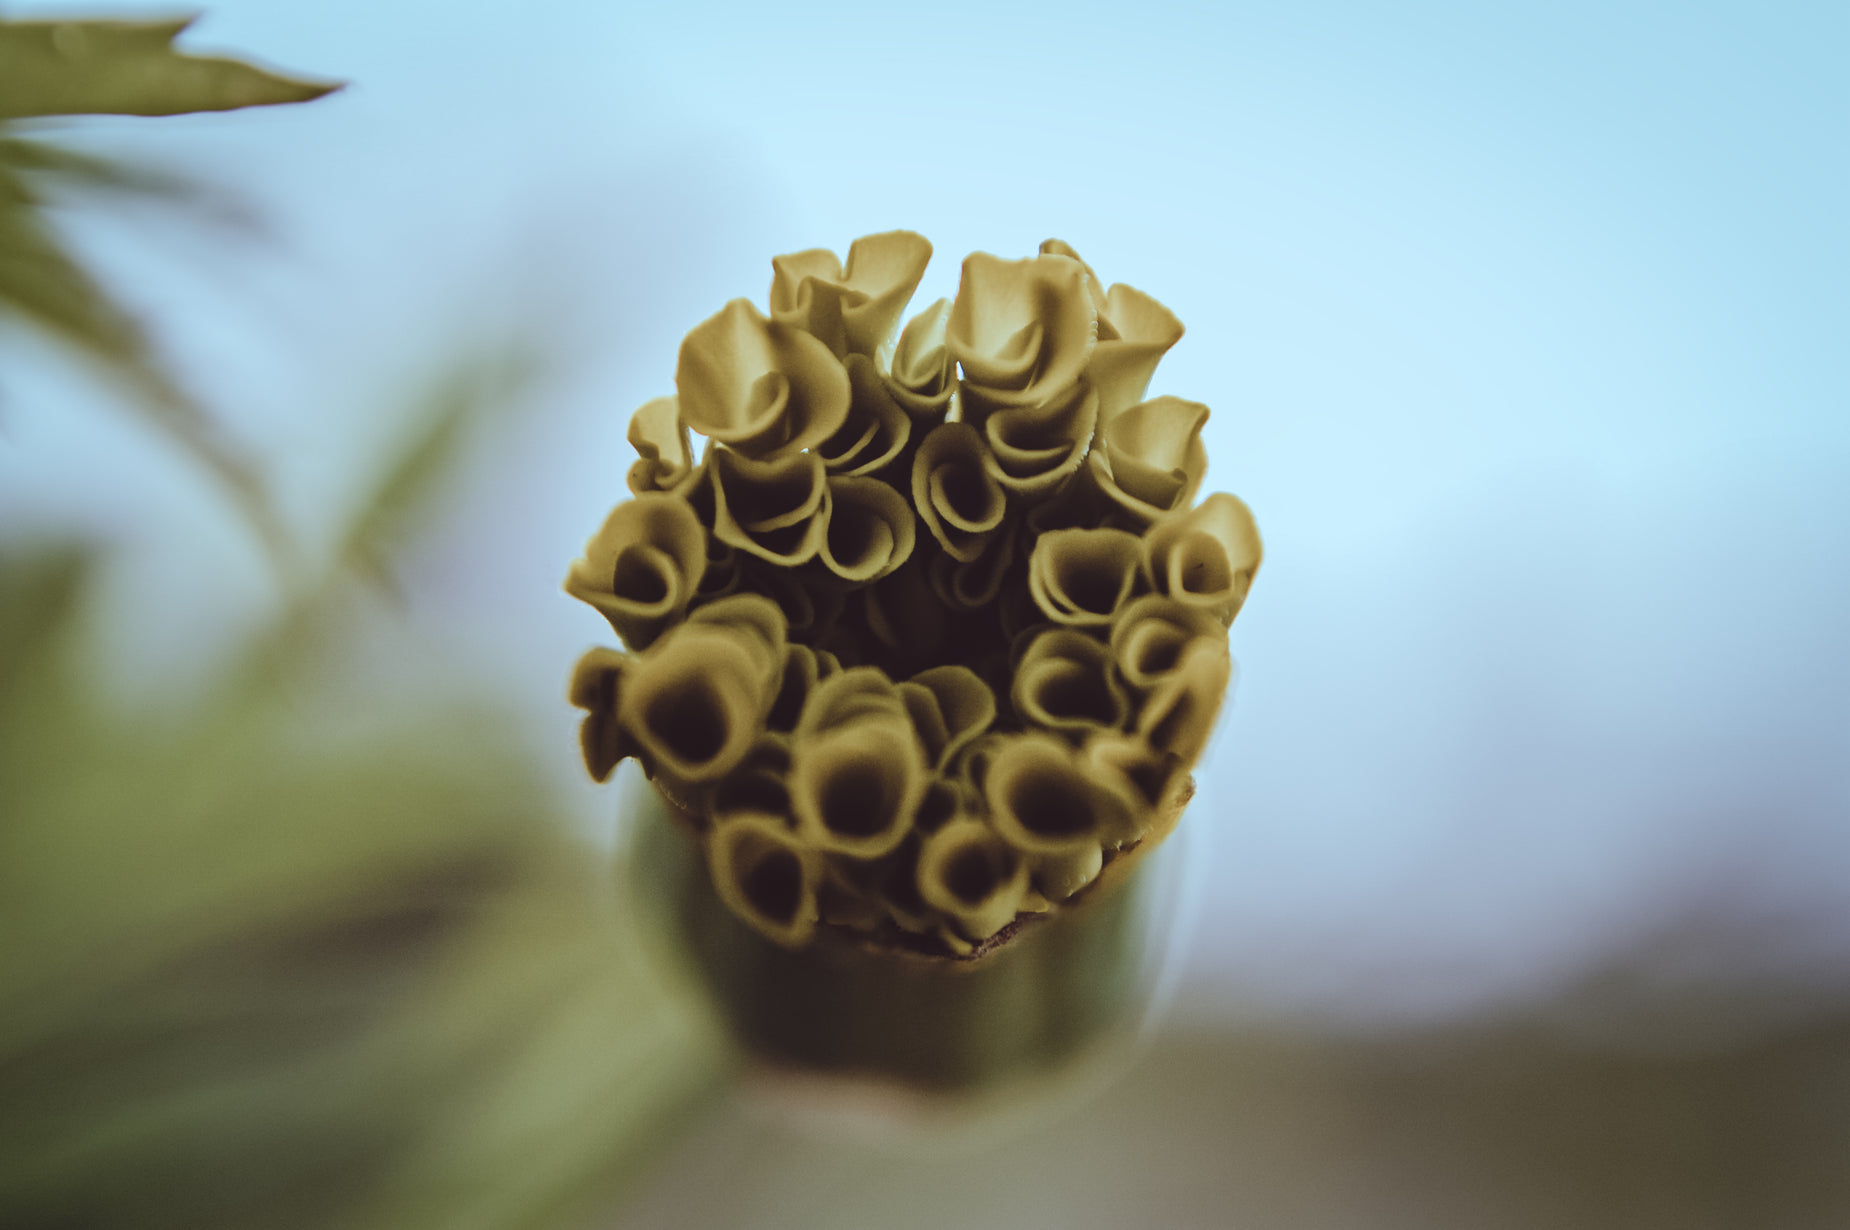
x: 933, y: 630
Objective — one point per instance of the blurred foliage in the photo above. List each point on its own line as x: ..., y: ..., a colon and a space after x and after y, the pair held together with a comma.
x: 443, y: 420
x: 263, y: 965
x: 301, y: 954
x: 65, y: 68
x: 296, y: 953
x: 127, y: 68
x: 1494, y: 1126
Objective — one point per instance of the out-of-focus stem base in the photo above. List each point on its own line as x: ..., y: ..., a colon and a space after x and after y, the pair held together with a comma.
x: 888, y: 1025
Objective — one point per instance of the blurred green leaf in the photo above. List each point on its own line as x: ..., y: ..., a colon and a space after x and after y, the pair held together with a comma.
x: 276, y: 962
x: 403, y: 497
x: 88, y: 67
x: 82, y: 170
x: 127, y: 68
x: 46, y: 287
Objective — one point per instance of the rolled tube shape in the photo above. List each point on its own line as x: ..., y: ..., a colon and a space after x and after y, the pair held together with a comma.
x: 950, y: 706
x: 854, y: 789
x: 1064, y: 683
x: 871, y: 530
x: 1022, y: 331
x: 1033, y: 449
x: 1083, y: 576
x: 1178, y: 716
x: 766, y: 388
x: 766, y: 876
x: 1150, y: 635
x: 960, y: 502
x: 595, y: 684
x: 876, y: 429
x: 966, y: 871
x: 1042, y: 800
x: 1142, y: 332
x: 851, y: 309
x: 694, y: 703
x: 665, y: 458
x: 1150, y: 460
x: 1208, y: 556
x: 643, y: 567
x: 924, y: 375
x: 776, y: 510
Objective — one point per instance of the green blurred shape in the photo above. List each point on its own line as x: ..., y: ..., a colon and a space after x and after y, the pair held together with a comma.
x: 275, y: 963
x: 128, y: 68
x: 61, y: 68
x: 43, y: 285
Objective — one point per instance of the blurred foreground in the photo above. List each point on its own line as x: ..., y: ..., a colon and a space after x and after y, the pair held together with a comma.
x: 291, y: 958
x: 1456, y: 1130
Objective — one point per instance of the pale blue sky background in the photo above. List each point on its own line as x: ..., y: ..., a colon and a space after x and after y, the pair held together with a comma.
x: 1523, y: 327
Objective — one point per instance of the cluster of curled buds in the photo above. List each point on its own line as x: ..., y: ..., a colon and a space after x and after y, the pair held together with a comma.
x: 934, y: 629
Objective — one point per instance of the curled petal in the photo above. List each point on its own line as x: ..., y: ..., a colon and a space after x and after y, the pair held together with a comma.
x: 1095, y: 290
x: 870, y: 532
x: 852, y: 310
x: 695, y: 702
x: 1082, y: 577
x: 924, y: 375
x: 1150, y: 458
x: 766, y: 389
x: 595, y: 684
x: 1178, y: 716
x: 876, y: 429
x: 660, y: 439
x: 950, y: 706
x: 1149, y: 779
x: 854, y: 789
x: 766, y: 876
x: 1033, y: 449
x: 1022, y: 331
x: 775, y: 510
x: 857, y: 695
x: 1149, y: 636
x: 1064, y: 683
x: 1041, y: 798
x: 643, y: 567
x: 957, y: 499
x: 973, y: 876
x: 753, y: 616
x: 1207, y: 557
x: 1143, y: 331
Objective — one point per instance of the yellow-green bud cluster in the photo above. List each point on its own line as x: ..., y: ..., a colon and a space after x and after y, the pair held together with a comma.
x: 934, y: 628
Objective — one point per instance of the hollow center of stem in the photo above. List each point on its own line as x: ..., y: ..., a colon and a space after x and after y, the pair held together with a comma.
x: 689, y: 722
x: 855, y: 800
x: 972, y: 874
x: 774, y: 885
